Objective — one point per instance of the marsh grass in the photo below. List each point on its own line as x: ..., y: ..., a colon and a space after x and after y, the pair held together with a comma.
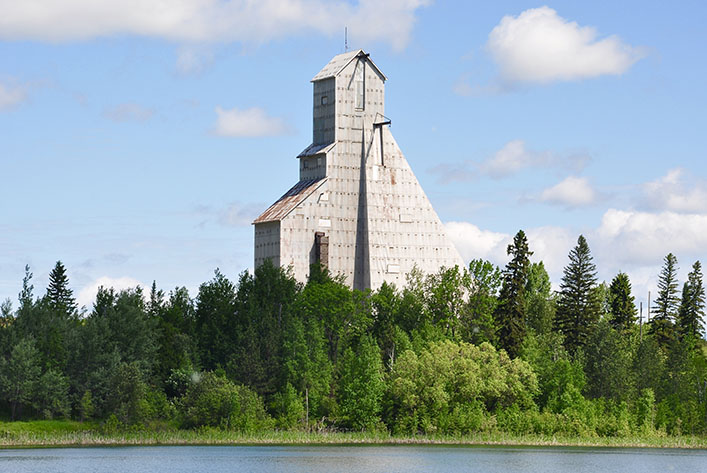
x: 70, y: 433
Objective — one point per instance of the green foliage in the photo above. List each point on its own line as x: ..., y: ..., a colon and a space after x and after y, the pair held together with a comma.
x: 214, y: 401
x: 578, y: 305
x: 174, y: 327
x: 666, y: 304
x: 51, y: 395
x: 539, y: 302
x: 86, y: 408
x: 361, y: 385
x: 128, y: 395
x: 622, y: 305
x: 692, y: 308
x: 288, y: 408
x: 385, y: 303
x: 426, y: 390
x: 478, y: 325
x: 215, y: 308
x: 510, y: 312
x: 306, y: 364
x: 607, y: 364
x: 263, y: 302
x: 19, y: 375
x: 324, y: 356
x: 59, y: 296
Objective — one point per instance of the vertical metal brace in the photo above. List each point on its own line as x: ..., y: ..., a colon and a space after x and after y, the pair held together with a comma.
x: 383, y: 120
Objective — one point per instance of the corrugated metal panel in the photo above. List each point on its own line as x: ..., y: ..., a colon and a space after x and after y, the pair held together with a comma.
x: 289, y: 201
x: 339, y: 62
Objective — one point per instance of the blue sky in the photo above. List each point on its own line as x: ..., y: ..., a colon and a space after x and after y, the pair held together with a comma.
x: 139, y: 139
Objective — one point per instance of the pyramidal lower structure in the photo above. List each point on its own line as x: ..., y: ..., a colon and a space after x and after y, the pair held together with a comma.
x: 357, y: 208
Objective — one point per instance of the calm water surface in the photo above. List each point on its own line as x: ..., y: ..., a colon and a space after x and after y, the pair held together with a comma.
x: 329, y: 459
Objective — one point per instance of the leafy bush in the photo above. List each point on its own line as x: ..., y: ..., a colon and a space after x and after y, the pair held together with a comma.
x: 448, y: 377
x: 215, y: 401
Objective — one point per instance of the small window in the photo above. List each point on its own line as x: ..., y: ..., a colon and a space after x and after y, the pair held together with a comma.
x: 325, y: 100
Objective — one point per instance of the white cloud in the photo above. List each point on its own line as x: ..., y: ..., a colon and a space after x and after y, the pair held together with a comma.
x: 11, y: 96
x: 675, y: 193
x: 540, y: 46
x: 511, y: 159
x: 207, y: 20
x: 508, y: 160
x: 193, y: 59
x: 473, y: 242
x: 248, y: 122
x: 87, y: 295
x: 126, y: 112
x: 551, y: 245
x: 637, y: 237
x: 548, y: 244
x: 571, y: 192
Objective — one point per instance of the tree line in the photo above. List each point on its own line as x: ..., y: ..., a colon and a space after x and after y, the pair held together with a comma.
x: 476, y: 349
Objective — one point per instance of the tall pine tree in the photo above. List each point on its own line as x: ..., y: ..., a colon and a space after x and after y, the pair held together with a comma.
x: 666, y: 304
x: 578, y: 306
x: 60, y: 297
x: 623, y: 308
x: 510, y: 312
x: 692, y: 307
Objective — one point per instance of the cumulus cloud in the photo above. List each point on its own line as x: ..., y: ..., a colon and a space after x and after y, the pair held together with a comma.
x: 128, y: 112
x: 248, y: 122
x: 509, y: 160
x: 570, y: 192
x: 473, y: 242
x: 207, y: 20
x: 674, y: 192
x: 540, y: 46
x: 548, y: 244
x: 11, y: 96
x: 637, y: 237
x: 87, y: 295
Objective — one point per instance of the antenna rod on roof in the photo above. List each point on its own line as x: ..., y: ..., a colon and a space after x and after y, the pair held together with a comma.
x: 346, y: 39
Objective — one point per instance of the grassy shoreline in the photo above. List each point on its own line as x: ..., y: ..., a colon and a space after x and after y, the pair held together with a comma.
x: 74, y: 434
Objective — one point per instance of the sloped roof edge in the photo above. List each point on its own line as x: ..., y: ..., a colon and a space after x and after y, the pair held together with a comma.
x: 339, y: 62
x: 288, y: 202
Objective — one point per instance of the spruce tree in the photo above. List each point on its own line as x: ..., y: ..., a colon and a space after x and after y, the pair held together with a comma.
x: 59, y: 296
x: 578, y: 305
x: 623, y: 308
x: 666, y: 304
x: 510, y: 312
x: 692, y: 307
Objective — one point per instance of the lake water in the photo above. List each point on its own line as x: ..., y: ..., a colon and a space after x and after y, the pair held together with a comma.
x: 330, y: 459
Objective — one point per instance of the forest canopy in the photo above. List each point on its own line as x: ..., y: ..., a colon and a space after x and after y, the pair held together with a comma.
x: 475, y: 349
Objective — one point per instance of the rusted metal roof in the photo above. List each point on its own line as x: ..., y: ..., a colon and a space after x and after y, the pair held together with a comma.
x: 340, y: 61
x: 313, y: 150
x: 290, y: 200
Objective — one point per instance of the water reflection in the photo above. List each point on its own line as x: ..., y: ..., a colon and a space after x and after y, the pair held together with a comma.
x: 326, y: 459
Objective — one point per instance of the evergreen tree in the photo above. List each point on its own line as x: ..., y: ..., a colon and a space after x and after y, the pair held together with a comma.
x: 623, y: 308
x: 578, y: 306
x: 510, y: 313
x: 692, y: 307
x: 60, y: 297
x: 26, y: 296
x: 540, y: 305
x: 666, y: 304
